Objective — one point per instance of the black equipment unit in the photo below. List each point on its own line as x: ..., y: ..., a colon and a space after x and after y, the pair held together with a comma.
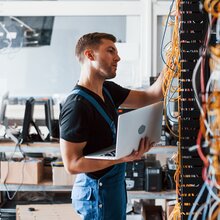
x: 134, y: 183
x: 153, y: 176
x: 134, y: 175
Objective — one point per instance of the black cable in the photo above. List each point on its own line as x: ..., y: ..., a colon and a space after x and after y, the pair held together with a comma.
x: 11, y: 197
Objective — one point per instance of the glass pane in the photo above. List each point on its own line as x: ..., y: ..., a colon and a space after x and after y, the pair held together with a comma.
x: 37, y: 53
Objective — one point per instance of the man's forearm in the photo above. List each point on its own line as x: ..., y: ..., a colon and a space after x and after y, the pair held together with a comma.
x: 156, y: 88
x: 85, y: 165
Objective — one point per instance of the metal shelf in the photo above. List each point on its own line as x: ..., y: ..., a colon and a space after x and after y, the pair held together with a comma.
x: 152, y: 195
x: 47, y: 186
x: 44, y: 186
x: 38, y: 147
x: 53, y: 147
x: 163, y: 150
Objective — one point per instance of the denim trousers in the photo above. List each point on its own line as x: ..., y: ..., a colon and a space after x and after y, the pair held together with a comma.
x: 101, y: 199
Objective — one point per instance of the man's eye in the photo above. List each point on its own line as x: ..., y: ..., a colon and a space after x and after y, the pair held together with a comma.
x: 111, y: 51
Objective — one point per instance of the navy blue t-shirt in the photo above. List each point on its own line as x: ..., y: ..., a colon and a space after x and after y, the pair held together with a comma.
x: 80, y: 121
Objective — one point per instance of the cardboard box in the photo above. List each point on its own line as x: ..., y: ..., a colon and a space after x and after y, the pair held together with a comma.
x: 21, y: 172
x: 61, y: 177
x: 45, y: 212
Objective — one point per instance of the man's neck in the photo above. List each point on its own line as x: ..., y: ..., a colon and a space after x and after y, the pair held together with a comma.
x: 93, y: 85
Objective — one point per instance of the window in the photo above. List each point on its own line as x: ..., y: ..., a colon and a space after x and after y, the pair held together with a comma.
x: 47, y: 65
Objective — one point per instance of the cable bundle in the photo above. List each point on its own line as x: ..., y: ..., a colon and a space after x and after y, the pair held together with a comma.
x: 212, y: 7
x: 172, y: 69
x: 171, y: 87
x: 209, y: 133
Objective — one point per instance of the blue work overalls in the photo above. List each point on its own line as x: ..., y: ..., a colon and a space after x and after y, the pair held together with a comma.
x: 104, y: 198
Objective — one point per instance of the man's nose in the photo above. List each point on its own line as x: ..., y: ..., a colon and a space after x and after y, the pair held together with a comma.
x: 118, y: 58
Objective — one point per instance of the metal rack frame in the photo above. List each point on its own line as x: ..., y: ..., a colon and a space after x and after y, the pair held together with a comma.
x: 192, y: 31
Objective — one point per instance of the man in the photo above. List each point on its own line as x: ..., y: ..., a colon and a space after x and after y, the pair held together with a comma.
x: 99, y: 191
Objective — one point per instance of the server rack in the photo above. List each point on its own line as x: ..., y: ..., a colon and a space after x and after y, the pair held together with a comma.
x: 192, y: 34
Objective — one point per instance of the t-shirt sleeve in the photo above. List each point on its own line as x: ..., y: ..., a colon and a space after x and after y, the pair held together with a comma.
x: 117, y: 92
x: 74, y: 122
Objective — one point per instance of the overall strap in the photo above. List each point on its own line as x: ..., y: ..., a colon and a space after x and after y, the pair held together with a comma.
x: 108, y: 94
x: 110, y: 97
x: 98, y: 108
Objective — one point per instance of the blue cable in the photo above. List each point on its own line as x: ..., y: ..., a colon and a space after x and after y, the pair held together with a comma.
x: 196, y: 201
x: 206, y: 207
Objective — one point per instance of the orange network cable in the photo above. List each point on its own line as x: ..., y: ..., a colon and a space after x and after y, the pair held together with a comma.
x: 178, y: 162
x: 215, y: 50
x: 211, y: 110
x: 171, y: 71
x: 202, y: 131
x: 213, y: 107
x: 176, y: 214
x: 215, y: 214
x: 212, y: 7
x: 173, y: 67
x: 203, y: 127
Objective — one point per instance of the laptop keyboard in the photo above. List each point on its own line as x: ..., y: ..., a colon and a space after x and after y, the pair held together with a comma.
x: 109, y: 154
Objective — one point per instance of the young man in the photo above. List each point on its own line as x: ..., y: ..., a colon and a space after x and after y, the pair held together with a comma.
x: 99, y: 190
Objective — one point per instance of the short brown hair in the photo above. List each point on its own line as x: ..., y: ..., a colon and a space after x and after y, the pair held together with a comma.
x: 91, y: 40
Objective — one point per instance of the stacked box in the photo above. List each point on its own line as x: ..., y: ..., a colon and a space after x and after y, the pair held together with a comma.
x: 22, y: 172
x: 61, y: 177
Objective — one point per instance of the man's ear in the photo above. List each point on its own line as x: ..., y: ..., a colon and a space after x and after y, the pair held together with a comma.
x: 89, y: 54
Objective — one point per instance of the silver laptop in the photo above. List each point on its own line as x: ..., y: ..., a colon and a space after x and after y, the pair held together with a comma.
x: 132, y: 126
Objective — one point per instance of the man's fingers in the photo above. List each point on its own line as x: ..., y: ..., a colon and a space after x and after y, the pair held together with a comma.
x: 144, y: 146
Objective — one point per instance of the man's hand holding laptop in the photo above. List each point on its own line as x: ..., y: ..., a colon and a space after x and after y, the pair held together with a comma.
x: 136, y: 133
x: 144, y: 146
